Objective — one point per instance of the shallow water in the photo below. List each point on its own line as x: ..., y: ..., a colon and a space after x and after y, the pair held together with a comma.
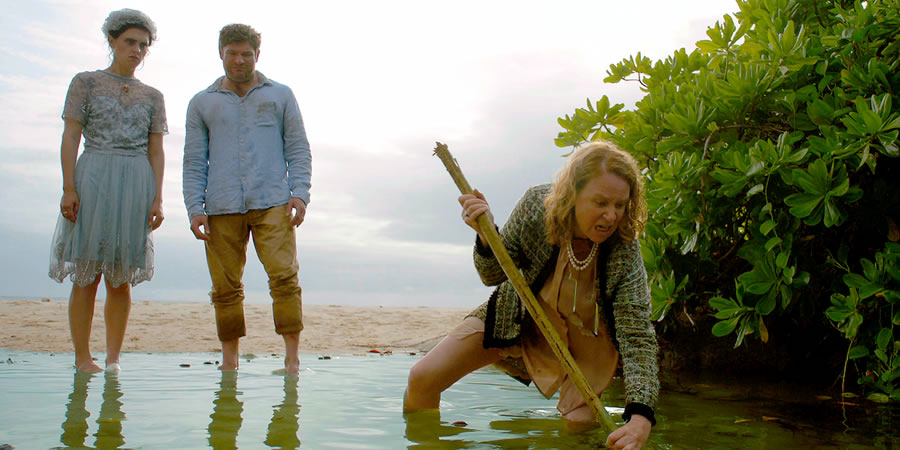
x: 355, y: 402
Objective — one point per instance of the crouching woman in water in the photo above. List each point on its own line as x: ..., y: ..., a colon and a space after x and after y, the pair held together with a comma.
x: 575, y: 242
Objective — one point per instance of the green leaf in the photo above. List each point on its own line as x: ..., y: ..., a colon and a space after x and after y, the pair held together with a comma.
x: 855, y: 280
x: 884, y: 337
x: 707, y: 46
x: 785, y: 295
x: 755, y: 190
x: 840, y: 189
x: 801, y: 279
x: 870, y: 289
x: 772, y: 243
x: 802, y: 205
x: 782, y: 259
x: 767, y: 226
x: 765, y: 306
x: 726, y: 326
x: 755, y: 285
x: 719, y: 303
x: 837, y: 315
x: 832, y: 214
x: 858, y: 352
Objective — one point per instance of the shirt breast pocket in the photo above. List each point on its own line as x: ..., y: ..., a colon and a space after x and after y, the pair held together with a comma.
x: 265, y: 114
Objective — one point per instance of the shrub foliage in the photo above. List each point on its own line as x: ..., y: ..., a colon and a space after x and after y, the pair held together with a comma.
x: 773, y: 173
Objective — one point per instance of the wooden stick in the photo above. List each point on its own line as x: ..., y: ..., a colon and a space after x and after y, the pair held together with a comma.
x: 531, y: 303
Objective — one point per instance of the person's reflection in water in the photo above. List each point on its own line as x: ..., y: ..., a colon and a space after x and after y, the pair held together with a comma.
x: 425, y: 427
x: 109, y: 432
x: 285, y: 422
x: 226, y: 416
x: 75, y: 426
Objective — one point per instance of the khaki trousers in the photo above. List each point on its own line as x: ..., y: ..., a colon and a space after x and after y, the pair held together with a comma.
x: 226, y: 255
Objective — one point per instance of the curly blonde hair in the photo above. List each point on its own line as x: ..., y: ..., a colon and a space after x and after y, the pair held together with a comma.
x: 588, y: 161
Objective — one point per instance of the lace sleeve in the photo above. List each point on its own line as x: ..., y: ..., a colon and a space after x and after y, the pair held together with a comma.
x: 77, y: 100
x: 158, y: 122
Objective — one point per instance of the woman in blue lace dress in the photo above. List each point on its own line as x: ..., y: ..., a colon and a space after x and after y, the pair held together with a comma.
x: 112, y: 197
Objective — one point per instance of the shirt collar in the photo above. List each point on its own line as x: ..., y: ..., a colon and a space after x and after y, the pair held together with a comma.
x: 217, y: 85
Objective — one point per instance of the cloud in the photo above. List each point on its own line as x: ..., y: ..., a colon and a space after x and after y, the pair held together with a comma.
x: 378, y: 84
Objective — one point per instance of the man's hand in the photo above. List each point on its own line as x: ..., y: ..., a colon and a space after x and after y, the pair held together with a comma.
x: 297, y: 208
x: 197, y: 222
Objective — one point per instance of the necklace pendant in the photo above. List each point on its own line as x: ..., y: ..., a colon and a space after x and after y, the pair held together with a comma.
x: 124, y: 88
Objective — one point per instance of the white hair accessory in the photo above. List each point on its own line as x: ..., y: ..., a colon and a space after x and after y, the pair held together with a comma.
x: 124, y: 18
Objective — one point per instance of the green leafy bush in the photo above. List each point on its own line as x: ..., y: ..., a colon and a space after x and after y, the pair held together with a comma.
x: 773, y: 172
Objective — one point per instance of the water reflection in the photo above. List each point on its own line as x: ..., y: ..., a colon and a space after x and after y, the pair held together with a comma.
x: 285, y: 421
x: 226, y: 415
x: 75, y: 427
x: 426, y: 429
x: 228, y: 409
x: 109, y: 433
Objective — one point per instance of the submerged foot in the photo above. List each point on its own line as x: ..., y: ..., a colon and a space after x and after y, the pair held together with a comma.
x: 226, y: 367
x: 292, y: 366
x: 88, y: 367
x: 113, y: 367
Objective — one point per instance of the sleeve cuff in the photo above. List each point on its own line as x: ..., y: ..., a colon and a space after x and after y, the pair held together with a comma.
x: 639, y: 409
x: 482, y: 250
x: 196, y: 212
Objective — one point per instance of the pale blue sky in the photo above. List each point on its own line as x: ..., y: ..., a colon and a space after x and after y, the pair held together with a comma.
x: 377, y: 83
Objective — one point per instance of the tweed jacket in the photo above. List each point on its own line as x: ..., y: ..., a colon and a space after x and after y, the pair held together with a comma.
x: 625, y: 296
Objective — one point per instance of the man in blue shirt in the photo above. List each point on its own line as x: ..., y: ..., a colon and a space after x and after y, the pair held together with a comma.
x: 247, y: 169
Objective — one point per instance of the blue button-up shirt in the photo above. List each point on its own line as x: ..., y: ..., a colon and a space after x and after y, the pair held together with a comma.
x: 244, y: 153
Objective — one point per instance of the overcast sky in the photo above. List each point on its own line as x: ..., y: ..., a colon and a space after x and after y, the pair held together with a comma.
x: 378, y: 83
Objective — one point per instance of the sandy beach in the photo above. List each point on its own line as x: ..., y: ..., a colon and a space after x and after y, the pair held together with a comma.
x: 37, y: 325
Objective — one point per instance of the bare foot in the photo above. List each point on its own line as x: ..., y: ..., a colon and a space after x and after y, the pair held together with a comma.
x: 88, y: 367
x: 228, y: 367
x: 113, y: 367
x: 292, y: 366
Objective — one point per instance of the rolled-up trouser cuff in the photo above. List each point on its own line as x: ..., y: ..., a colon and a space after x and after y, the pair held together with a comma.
x: 230, y: 323
x: 288, y: 314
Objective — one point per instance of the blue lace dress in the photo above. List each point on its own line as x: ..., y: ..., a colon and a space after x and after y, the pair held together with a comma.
x: 113, y: 179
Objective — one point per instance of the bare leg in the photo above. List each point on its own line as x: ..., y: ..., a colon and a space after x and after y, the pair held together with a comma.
x: 580, y: 419
x: 81, y: 317
x: 291, y: 353
x: 229, y: 355
x: 116, y: 311
x: 444, y: 365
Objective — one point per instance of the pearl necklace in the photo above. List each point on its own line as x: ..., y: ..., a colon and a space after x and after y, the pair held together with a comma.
x: 580, y: 265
